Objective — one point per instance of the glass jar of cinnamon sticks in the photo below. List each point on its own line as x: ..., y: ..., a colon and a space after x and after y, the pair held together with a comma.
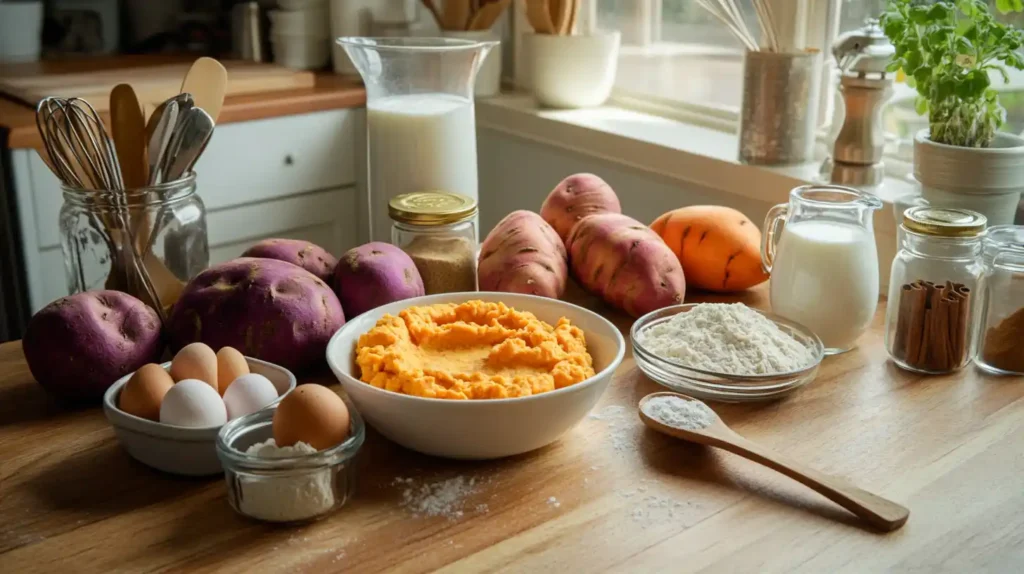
x: 935, y: 290
x: 1001, y: 337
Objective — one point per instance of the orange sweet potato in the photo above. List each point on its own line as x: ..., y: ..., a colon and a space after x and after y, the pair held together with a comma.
x: 719, y: 247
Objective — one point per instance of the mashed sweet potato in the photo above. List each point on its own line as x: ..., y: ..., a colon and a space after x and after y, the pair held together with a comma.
x: 473, y: 350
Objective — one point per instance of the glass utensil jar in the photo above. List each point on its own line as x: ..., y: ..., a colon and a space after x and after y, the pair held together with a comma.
x: 420, y: 120
x: 167, y: 222
x: 824, y: 267
x: 1001, y: 338
x: 438, y: 231
x: 934, y: 290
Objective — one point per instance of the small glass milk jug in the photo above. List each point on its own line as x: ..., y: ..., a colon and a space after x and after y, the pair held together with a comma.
x: 824, y: 263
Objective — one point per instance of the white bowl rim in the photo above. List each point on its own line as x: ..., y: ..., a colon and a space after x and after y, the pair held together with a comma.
x: 161, y: 430
x: 608, y: 371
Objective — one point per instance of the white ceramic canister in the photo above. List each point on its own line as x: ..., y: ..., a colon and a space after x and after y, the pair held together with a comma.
x: 572, y: 71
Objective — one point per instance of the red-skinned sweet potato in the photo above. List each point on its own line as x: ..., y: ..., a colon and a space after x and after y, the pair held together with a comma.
x: 576, y: 197
x: 375, y: 274
x: 309, y: 256
x: 627, y: 264
x: 523, y: 254
x: 265, y: 308
x: 79, y: 345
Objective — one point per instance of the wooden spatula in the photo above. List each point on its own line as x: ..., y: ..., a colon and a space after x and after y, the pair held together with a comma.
x: 207, y: 81
x: 456, y: 14
x: 128, y: 127
x: 561, y: 15
x: 538, y: 13
x: 488, y: 14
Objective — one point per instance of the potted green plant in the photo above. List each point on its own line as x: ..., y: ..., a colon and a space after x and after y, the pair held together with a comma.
x: 949, y: 51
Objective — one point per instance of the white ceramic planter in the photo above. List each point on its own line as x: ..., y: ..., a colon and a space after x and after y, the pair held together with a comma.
x: 987, y: 180
x: 488, y: 79
x: 572, y: 71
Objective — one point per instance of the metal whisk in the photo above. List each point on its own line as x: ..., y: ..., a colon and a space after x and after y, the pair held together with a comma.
x: 82, y: 156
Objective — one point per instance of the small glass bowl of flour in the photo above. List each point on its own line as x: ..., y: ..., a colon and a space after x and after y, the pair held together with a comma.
x: 285, y: 484
x: 725, y: 351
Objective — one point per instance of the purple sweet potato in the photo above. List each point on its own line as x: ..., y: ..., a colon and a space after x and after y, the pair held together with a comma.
x: 626, y: 263
x: 523, y: 254
x: 309, y: 256
x: 267, y: 309
x: 576, y: 197
x: 79, y: 345
x: 375, y: 274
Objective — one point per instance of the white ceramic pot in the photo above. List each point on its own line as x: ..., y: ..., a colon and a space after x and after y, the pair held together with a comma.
x: 21, y: 27
x: 314, y: 23
x: 987, y: 180
x: 301, y: 52
x: 572, y: 71
x: 488, y: 79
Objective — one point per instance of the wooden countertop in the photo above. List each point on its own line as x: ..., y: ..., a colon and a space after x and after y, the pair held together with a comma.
x: 610, y: 495
x: 330, y: 92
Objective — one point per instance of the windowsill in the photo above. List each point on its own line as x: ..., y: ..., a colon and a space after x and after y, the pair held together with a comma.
x: 691, y: 154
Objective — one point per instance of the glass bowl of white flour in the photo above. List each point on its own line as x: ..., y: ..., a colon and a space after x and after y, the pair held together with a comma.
x: 725, y: 351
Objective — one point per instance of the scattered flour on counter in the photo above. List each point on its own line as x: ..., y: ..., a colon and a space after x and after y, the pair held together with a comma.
x: 443, y: 498
x: 622, y: 426
x: 678, y: 412
x: 284, y: 498
x: 726, y: 338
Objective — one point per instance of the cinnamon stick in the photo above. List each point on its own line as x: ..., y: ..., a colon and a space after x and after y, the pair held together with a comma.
x: 899, y: 347
x: 915, y: 322
x: 941, y: 342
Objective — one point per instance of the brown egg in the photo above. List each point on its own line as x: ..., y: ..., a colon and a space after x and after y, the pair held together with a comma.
x: 142, y: 394
x: 311, y: 414
x: 230, y: 365
x: 196, y: 361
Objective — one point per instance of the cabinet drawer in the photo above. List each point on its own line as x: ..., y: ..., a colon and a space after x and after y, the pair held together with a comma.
x: 245, y: 163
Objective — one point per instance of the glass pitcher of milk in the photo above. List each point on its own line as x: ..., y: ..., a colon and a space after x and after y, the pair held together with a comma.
x: 823, y: 263
x: 421, y: 128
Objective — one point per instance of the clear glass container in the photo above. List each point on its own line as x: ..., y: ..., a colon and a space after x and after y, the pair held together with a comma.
x: 438, y: 230
x: 935, y: 290
x: 166, y: 223
x: 420, y: 119
x: 293, y: 489
x: 1001, y: 336
x: 824, y: 254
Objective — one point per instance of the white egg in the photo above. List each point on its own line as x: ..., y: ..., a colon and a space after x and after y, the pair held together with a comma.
x: 193, y: 403
x: 248, y: 394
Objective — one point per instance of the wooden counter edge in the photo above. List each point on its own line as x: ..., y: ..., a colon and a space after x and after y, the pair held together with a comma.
x: 330, y: 92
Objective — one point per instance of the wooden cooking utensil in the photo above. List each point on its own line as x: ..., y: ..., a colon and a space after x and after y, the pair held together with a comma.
x: 488, y: 14
x: 456, y: 14
x: 207, y: 81
x: 877, y: 511
x: 561, y: 13
x: 538, y: 13
x: 128, y: 128
x: 571, y: 27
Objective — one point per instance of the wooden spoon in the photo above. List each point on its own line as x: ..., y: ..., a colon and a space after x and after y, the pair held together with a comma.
x: 488, y: 14
x: 207, y: 81
x: 456, y: 14
x: 538, y: 13
x: 561, y: 13
x: 128, y: 128
x: 877, y: 511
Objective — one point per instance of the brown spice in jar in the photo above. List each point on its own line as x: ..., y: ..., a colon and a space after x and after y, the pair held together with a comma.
x: 1002, y: 347
x: 447, y: 264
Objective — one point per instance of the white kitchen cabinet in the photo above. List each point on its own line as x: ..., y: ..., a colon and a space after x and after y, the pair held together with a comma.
x: 291, y: 176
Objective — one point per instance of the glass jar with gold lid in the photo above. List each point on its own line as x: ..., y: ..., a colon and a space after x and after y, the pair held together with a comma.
x: 935, y: 289
x: 439, y: 232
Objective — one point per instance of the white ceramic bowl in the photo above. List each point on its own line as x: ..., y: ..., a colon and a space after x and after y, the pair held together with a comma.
x: 572, y: 71
x: 174, y: 449
x: 480, y: 429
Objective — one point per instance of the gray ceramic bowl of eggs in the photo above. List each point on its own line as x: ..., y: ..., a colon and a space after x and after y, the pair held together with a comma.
x: 168, y: 416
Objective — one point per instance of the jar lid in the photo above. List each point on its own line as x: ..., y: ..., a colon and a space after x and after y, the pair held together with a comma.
x: 944, y: 222
x: 431, y: 208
